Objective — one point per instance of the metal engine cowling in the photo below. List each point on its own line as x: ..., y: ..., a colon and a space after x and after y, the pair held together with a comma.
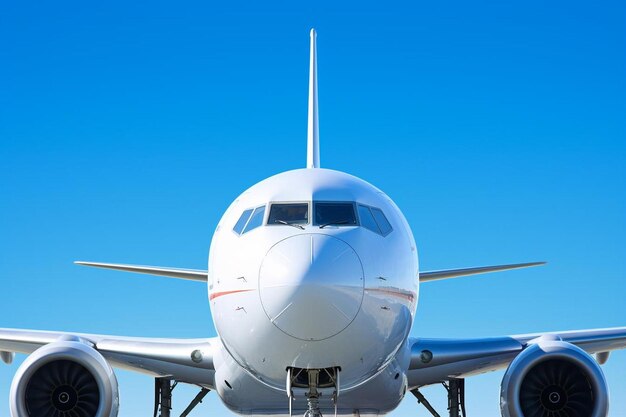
x: 552, y: 378
x: 67, y: 378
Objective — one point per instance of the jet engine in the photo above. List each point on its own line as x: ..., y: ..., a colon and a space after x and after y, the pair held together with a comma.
x: 552, y: 378
x: 62, y: 379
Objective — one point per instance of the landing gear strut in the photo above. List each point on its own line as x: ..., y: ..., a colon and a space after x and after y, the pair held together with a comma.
x: 163, y: 388
x: 313, y: 395
x: 163, y: 396
x: 456, y: 398
x: 313, y: 380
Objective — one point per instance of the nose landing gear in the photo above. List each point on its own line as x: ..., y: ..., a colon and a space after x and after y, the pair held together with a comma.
x: 314, y: 381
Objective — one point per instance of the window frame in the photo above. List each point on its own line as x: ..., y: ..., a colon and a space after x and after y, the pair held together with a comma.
x: 386, y: 219
x: 245, y: 228
x: 380, y: 232
x: 309, y: 207
x: 369, y: 209
x: 253, y: 208
x: 232, y: 229
x: 354, y: 210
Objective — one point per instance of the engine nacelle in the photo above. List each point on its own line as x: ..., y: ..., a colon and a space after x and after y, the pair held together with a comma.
x: 64, y: 378
x: 554, y: 378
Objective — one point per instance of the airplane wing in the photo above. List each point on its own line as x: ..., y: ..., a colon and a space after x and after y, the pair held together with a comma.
x: 438, y: 360
x: 181, y: 273
x: 186, y: 360
x: 428, y: 276
x: 201, y: 275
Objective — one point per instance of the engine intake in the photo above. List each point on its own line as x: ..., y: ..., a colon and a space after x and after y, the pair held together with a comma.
x: 63, y: 379
x: 553, y: 378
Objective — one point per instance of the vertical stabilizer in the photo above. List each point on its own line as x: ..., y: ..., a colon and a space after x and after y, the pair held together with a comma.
x: 313, y: 137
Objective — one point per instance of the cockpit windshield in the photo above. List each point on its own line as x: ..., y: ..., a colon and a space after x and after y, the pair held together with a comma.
x: 324, y: 214
x: 289, y: 213
x: 335, y: 214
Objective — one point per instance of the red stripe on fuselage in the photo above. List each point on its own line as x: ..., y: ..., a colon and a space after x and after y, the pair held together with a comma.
x: 394, y: 293
x: 219, y: 294
x: 408, y: 296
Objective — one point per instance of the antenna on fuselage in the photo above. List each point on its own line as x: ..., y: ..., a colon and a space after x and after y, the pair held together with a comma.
x: 313, y: 137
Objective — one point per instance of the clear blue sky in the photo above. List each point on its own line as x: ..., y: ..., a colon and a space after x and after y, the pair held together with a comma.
x: 126, y: 129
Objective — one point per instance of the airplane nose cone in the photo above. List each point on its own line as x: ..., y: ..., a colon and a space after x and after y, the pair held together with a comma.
x: 311, y: 286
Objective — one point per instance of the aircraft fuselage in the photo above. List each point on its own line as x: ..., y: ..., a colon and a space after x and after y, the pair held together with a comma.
x: 309, y: 292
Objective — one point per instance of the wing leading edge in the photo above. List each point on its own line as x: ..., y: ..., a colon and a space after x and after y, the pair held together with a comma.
x: 201, y: 275
x: 189, y: 274
x: 153, y: 356
x: 455, y: 273
x: 436, y: 360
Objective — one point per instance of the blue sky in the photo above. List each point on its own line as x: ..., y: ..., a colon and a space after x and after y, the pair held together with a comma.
x: 126, y: 129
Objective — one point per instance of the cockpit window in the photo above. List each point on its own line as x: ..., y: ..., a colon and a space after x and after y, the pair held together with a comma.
x: 256, y: 219
x: 381, y: 220
x: 374, y: 219
x: 250, y: 219
x: 367, y: 219
x: 241, y: 223
x: 292, y: 213
x: 331, y: 213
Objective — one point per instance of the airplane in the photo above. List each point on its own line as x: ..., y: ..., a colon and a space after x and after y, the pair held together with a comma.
x: 313, y: 282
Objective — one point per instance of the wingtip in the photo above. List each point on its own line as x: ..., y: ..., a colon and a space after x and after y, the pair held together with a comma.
x: 526, y: 264
x: 88, y: 263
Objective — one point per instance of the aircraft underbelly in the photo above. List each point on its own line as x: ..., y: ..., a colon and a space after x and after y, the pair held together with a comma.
x: 244, y: 394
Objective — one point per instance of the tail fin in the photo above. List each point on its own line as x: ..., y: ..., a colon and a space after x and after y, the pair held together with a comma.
x: 313, y: 138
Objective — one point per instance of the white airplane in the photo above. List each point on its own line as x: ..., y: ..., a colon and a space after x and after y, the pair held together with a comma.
x: 313, y: 283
